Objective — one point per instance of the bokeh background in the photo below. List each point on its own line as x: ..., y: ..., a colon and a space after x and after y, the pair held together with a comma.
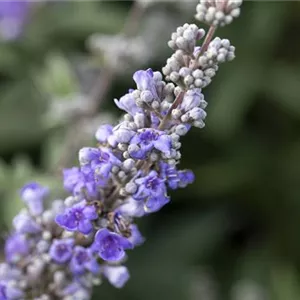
x: 234, y: 233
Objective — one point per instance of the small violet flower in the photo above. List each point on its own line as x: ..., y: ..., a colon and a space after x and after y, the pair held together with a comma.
x: 78, y: 217
x: 83, y: 260
x: 33, y: 194
x: 110, y: 246
x: 23, y: 223
x: 151, y: 189
x: 128, y: 104
x: 145, y: 82
x: 146, y: 140
x: 16, y: 247
x: 79, y: 183
x: 61, y: 250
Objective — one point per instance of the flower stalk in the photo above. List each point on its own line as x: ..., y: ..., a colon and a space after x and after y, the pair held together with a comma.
x: 77, y: 242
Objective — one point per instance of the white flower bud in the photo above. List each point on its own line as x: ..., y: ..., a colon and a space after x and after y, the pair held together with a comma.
x: 181, y: 129
x: 131, y: 187
x: 47, y: 235
x: 128, y: 164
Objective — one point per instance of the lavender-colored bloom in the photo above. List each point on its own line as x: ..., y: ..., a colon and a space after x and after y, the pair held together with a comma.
x: 193, y: 98
x: 23, y: 223
x: 83, y: 260
x: 169, y: 174
x: 8, y: 292
x: 73, y: 179
x: 103, y: 133
x: 128, y: 104
x: 87, y: 154
x: 145, y: 82
x: 78, y: 217
x: 149, y: 186
x: 116, y: 275
x: 13, y: 15
x: 77, y: 182
x: 61, y: 250
x: 16, y: 246
x: 152, y: 190
x: 148, y: 139
x: 110, y: 246
x: 33, y: 195
x: 154, y: 204
x: 175, y: 178
x: 97, y: 162
x: 185, y: 177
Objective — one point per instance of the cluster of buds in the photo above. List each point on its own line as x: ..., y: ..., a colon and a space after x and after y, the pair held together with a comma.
x: 218, y: 12
x: 195, y: 68
x: 61, y: 252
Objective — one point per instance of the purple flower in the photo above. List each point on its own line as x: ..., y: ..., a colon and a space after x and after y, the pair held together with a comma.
x: 12, y: 17
x: 175, y: 178
x: 149, y: 186
x: 110, y: 246
x: 116, y: 275
x: 79, y: 217
x: 33, y: 195
x: 77, y: 182
x: 185, y: 177
x: 16, y: 246
x: 88, y: 154
x: 61, y: 250
x: 154, y: 204
x: 145, y: 82
x: 169, y: 174
x: 147, y: 139
x: 152, y: 190
x: 127, y: 103
x: 83, y: 260
x: 23, y: 223
x: 98, y: 163
x: 8, y: 292
x: 103, y: 133
x: 193, y: 98
x: 73, y: 179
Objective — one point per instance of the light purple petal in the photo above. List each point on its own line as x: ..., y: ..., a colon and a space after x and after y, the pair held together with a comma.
x: 85, y: 226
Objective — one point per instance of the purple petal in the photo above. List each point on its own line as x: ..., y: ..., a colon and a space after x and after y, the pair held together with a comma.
x: 85, y: 226
x: 163, y: 143
x: 101, y: 234
x: 90, y: 212
x: 125, y: 243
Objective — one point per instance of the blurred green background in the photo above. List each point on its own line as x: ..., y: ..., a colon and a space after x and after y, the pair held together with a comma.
x: 234, y: 233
